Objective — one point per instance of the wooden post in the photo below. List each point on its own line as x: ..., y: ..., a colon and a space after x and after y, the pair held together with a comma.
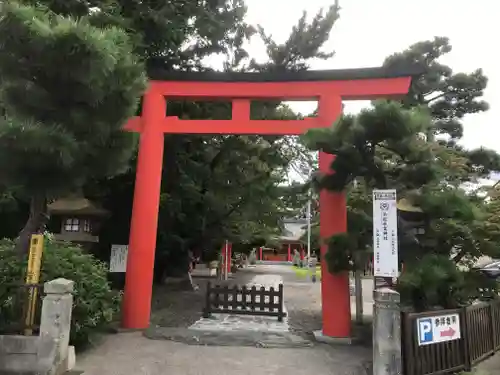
x: 226, y: 260
x: 280, y: 307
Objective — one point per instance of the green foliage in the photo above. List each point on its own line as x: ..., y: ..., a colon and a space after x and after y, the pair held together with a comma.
x: 364, y: 143
x: 458, y: 227
x: 95, y: 304
x: 393, y: 145
x: 443, y: 283
x: 448, y: 95
x: 65, y: 105
x: 218, y: 187
x: 67, y: 89
x: 214, y: 187
x: 304, y: 43
x: 446, y: 286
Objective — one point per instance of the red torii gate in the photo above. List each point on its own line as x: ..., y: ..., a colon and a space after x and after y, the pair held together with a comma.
x: 329, y: 88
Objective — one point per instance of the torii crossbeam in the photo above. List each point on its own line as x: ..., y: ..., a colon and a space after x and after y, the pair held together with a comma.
x: 329, y: 88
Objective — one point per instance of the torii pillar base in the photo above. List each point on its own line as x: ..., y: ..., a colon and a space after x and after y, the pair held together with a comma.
x: 320, y: 337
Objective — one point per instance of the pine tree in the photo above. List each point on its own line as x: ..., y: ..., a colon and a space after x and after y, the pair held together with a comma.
x: 448, y: 95
x: 412, y: 146
x: 386, y: 147
x: 67, y: 89
x: 214, y: 187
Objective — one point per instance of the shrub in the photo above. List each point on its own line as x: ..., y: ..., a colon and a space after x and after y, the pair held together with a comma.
x: 95, y: 304
x: 435, y: 281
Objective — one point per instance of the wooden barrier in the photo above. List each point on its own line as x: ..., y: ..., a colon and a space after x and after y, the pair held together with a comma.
x: 480, y: 338
x: 244, y: 301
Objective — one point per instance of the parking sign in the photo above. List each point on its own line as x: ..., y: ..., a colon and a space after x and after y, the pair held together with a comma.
x: 439, y: 328
x: 425, y: 335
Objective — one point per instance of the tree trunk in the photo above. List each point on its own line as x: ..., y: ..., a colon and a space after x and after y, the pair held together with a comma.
x: 36, y: 222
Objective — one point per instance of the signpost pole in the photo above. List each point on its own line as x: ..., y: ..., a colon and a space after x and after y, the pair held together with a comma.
x: 386, y: 309
x: 32, y: 278
x: 309, y: 262
x: 358, y: 291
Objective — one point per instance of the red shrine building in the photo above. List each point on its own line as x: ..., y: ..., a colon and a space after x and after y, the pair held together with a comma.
x: 329, y: 88
x: 291, y: 239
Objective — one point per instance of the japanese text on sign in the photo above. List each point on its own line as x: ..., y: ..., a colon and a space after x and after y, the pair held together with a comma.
x: 436, y: 329
x: 33, y: 277
x: 385, y: 233
x: 118, y: 259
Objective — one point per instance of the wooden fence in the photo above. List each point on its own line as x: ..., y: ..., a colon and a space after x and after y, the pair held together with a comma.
x: 244, y: 301
x: 480, y: 338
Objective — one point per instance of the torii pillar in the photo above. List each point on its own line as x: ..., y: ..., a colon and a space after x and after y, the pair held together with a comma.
x: 329, y: 88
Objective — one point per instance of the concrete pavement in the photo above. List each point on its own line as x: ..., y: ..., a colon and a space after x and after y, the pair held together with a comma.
x: 133, y: 354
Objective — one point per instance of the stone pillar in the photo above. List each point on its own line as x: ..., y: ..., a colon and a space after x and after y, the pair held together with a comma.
x: 56, y: 317
x: 386, y: 332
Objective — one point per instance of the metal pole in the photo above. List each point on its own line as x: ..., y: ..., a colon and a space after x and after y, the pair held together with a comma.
x: 312, y: 272
x: 358, y: 291
x: 309, y: 229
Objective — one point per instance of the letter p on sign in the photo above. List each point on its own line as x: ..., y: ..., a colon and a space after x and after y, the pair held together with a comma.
x: 425, y: 331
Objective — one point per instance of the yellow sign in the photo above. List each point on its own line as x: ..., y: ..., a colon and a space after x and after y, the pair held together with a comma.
x: 33, y: 277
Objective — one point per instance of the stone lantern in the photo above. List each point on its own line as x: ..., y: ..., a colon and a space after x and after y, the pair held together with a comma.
x: 412, y: 217
x: 76, y: 220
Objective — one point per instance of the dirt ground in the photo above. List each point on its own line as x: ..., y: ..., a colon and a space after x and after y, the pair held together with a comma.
x: 175, y: 304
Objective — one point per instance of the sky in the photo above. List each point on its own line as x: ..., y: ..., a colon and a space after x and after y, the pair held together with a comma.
x: 370, y: 30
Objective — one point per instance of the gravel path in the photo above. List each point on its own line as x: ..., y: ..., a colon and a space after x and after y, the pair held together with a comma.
x: 177, y: 305
x: 303, y: 302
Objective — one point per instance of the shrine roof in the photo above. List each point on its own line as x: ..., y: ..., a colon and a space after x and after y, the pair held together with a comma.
x: 76, y: 206
x: 156, y: 72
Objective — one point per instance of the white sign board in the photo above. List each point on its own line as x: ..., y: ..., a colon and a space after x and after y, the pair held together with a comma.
x: 385, y: 233
x: 436, y: 329
x: 118, y: 259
